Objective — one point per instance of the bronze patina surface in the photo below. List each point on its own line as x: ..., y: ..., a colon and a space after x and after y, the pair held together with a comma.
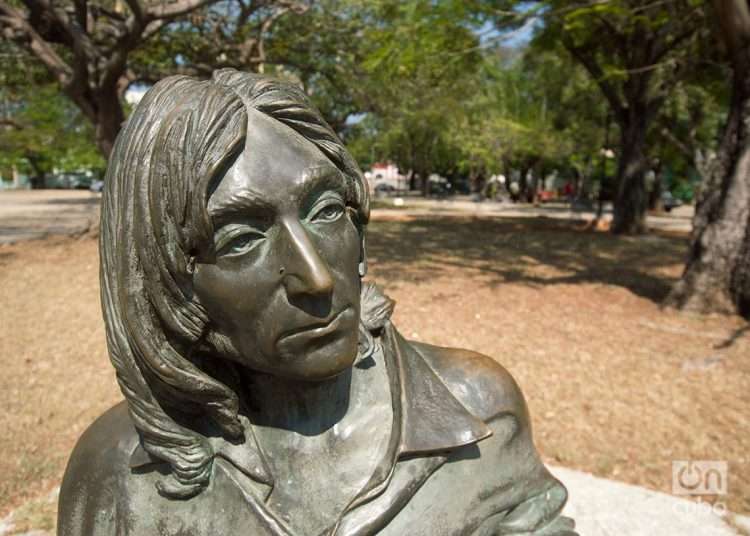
x: 266, y: 390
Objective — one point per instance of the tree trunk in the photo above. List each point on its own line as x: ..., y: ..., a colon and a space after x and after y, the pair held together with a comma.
x: 583, y: 194
x: 631, y: 199
x: 537, y: 179
x: 110, y: 117
x: 655, y: 196
x: 425, y: 183
x: 104, y: 109
x: 523, y: 183
x: 37, y: 180
x: 717, y: 273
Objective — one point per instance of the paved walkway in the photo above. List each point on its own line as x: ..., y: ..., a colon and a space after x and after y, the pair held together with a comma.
x: 30, y: 214
x: 604, y: 507
x: 678, y: 220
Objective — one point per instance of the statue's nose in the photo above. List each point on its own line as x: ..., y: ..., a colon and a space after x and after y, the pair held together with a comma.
x: 304, y: 272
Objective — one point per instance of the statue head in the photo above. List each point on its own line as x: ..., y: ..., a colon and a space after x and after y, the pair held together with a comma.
x: 232, y: 239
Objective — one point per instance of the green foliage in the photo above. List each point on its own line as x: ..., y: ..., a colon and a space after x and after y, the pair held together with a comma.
x: 402, y: 65
x: 412, y: 82
x: 535, y: 109
x: 42, y: 130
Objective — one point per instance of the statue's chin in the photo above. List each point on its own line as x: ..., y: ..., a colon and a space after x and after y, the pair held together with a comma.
x: 329, y: 359
x: 317, y: 355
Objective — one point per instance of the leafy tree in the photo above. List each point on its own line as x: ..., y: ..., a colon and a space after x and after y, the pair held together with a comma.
x: 39, y: 128
x: 95, y: 49
x: 43, y: 131
x: 534, y: 109
x: 403, y: 76
x: 717, y: 273
x: 635, y: 51
x: 686, y: 132
x: 324, y: 51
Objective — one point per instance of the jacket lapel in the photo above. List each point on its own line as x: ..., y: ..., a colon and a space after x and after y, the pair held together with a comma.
x: 433, y: 419
x: 432, y: 423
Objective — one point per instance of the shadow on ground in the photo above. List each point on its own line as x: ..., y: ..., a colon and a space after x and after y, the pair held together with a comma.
x: 93, y: 200
x: 733, y: 338
x: 5, y: 256
x: 529, y: 251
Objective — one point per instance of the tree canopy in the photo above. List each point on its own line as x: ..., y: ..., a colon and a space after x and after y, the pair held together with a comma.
x: 603, y: 93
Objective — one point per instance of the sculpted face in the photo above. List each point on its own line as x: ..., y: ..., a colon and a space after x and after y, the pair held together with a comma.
x: 283, y: 291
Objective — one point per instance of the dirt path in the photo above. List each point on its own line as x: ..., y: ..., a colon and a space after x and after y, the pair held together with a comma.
x: 30, y: 214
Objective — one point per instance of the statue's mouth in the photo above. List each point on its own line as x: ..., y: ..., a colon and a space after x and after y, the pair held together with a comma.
x: 318, y: 329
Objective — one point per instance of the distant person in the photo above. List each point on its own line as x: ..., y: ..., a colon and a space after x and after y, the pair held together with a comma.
x: 515, y: 191
x: 569, y: 192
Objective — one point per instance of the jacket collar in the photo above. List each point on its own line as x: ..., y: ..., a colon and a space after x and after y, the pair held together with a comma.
x: 427, y: 417
x: 432, y: 419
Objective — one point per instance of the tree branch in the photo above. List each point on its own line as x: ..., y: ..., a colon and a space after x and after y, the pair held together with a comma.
x: 79, y: 39
x: 176, y: 9
x: 137, y: 10
x: 595, y: 70
x: 81, y: 10
x: 684, y: 149
x: 734, y: 19
x: 11, y: 123
x: 14, y: 21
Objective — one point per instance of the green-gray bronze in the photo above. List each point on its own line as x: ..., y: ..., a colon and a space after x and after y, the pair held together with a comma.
x: 266, y: 390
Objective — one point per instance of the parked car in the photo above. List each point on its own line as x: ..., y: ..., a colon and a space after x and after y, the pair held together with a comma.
x: 440, y: 189
x: 69, y: 181
x: 461, y: 186
x: 384, y: 188
x: 669, y: 201
x: 96, y: 186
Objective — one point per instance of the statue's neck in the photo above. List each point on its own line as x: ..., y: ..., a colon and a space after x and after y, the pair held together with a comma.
x: 309, y: 407
x: 309, y: 431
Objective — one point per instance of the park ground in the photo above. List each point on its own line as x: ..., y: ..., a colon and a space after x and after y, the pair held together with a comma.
x: 616, y: 385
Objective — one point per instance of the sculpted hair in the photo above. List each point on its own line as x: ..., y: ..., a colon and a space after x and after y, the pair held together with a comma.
x: 179, y: 141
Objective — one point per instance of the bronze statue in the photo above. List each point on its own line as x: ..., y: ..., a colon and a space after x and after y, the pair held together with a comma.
x: 266, y: 390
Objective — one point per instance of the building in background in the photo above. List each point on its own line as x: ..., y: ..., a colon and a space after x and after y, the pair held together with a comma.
x: 385, y: 177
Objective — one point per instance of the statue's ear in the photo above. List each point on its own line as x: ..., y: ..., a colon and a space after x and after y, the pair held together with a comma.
x: 362, y: 267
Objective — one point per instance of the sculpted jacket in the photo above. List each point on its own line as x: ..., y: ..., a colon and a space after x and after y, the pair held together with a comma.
x: 460, y: 462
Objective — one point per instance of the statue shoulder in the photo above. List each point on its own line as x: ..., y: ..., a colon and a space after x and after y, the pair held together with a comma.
x: 479, y: 382
x: 97, y: 466
x: 511, y: 463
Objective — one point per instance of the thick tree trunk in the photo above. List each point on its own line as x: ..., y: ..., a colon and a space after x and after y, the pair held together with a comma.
x: 104, y: 109
x: 425, y: 184
x: 631, y: 197
x: 717, y: 274
x: 110, y: 117
x: 412, y: 180
x: 38, y: 178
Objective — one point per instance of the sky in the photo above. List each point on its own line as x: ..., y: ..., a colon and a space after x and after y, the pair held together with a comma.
x: 517, y: 38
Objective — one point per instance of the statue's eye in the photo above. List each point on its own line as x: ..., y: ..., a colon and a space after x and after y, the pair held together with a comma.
x: 238, y: 242
x: 330, y: 211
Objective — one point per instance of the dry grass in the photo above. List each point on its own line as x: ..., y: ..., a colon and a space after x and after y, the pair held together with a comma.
x: 616, y: 386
